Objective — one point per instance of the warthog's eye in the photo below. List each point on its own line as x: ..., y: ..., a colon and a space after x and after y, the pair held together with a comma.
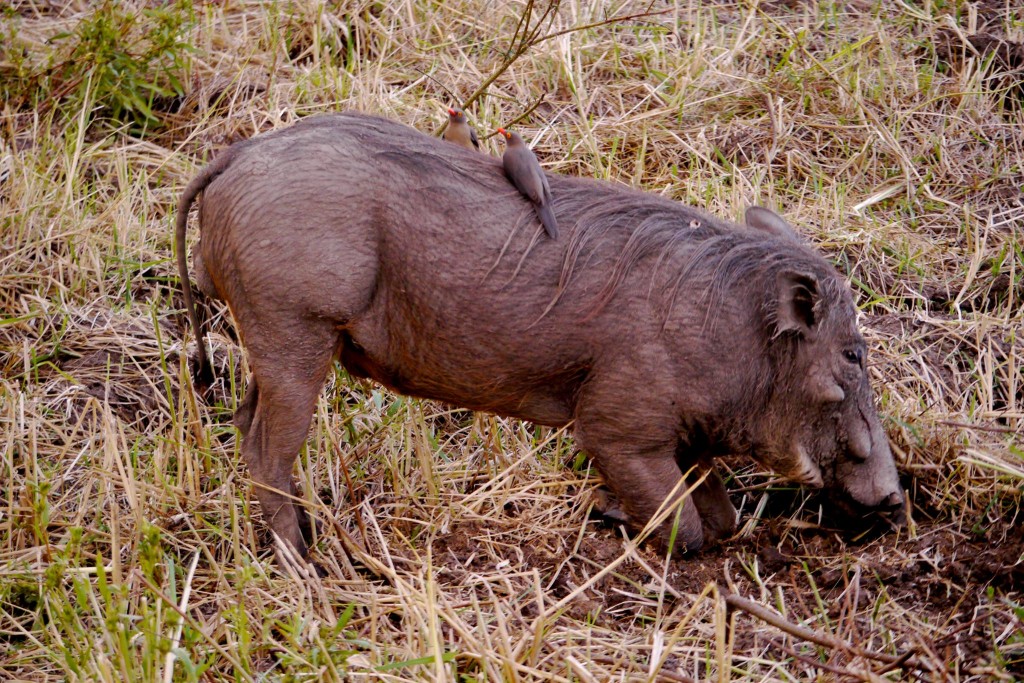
x: 855, y: 356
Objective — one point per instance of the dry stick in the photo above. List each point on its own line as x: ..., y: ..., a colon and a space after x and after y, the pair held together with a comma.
x: 524, y: 35
x: 980, y: 428
x: 536, y: 41
x: 604, y: 22
x: 529, y: 110
x: 831, y: 668
x: 897, y: 664
x: 524, y: 18
x: 506, y: 63
x: 527, y: 41
x: 764, y: 614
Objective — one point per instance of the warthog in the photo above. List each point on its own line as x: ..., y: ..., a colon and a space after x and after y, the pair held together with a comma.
x: 665, y: 336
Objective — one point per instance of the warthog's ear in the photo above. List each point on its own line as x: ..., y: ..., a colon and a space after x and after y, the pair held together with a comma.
x: 768, y: 221
x: 797, y: 299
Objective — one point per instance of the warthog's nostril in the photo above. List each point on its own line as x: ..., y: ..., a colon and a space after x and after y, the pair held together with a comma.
x: 893, y: 509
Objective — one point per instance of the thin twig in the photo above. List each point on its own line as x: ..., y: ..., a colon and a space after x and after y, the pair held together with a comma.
x: 824, y: 639
x: 892, y: 666
x: 452, y: 95
x: 980, y: 428
x: 506, y: 63
x: 529, y: 110
x: 605, y: 22
x: 524, y: 19
x: 509, y: 60
x: 831, y: 668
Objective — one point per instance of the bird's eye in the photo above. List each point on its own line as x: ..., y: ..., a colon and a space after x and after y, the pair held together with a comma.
x: 853, y: 356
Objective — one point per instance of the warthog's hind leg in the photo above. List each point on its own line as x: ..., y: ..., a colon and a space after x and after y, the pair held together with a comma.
x: 289, y: 381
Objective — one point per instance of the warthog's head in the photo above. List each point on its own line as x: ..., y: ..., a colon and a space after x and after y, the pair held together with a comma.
x: 820, y: 426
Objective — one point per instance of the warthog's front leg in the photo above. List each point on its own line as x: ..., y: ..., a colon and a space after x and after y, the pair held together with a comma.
x: 635, y: 453
x: 717, y: 514
x: 246, y: 410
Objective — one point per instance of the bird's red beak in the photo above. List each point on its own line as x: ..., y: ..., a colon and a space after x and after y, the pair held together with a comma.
x: 451, y: 112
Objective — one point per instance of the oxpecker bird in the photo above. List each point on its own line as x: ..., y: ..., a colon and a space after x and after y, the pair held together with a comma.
x: 459, y: 131
x: 523, y: 169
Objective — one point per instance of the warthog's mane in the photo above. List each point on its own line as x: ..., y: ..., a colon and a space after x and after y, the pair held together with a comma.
x: 711, y: 258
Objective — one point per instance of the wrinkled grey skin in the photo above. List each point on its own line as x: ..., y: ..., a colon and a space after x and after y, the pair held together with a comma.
x: 667, y: 337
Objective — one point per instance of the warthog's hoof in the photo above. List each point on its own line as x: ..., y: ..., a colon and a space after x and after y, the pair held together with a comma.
x: 608, y: 506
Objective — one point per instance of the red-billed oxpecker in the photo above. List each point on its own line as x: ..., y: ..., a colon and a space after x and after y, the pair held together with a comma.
x: 459, y: 131
x: 523, y: 169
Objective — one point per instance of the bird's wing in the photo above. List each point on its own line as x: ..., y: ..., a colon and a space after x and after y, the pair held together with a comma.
x: 545, y: 188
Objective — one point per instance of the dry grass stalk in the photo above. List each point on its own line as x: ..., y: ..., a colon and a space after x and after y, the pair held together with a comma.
x: 461, y: 547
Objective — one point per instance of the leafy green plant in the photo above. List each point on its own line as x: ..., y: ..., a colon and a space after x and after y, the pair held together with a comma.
x: 122, y: 61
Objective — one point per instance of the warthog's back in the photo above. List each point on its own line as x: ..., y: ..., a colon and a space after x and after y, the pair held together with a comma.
x: 432, y: 260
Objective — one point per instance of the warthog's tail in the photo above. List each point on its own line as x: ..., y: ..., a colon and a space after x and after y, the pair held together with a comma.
x: 203, y: 374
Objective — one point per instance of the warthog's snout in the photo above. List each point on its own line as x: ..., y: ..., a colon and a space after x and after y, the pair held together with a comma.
x: 890, y: 509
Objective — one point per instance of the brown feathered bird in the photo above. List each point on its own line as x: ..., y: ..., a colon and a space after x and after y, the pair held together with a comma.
x: 523, y: 169
x: 459, y: 131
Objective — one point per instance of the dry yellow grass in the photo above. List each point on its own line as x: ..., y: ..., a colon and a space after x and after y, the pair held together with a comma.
x: 128, y: 546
